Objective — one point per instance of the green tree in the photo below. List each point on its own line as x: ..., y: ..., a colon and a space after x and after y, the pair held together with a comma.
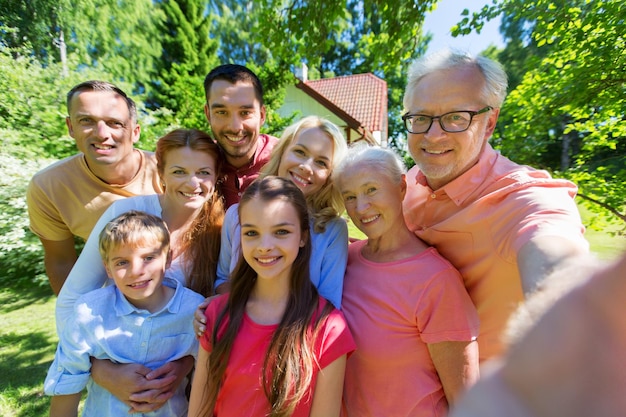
x: 354, y: 51
x: 573, y: 95
x: 36, y: 23
x: 240, y: 28
x: 188, y: 55
x: 339, y: 38
x: 119, y: 37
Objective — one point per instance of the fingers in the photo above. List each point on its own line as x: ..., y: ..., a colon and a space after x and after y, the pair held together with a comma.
x: 144, y: 400
x: 166, y: 383
x: 145, y: 407
x: 199, y: 321
x: 205, y: 303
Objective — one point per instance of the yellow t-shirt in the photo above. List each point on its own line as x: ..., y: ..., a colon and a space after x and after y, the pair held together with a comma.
x: 66, y: 199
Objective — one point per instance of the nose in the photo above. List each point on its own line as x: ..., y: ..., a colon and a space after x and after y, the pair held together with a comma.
x: 137, y: 268
x: 102, y: 130
x: 235, y: 123
x: 193, y: 180
x: 306, y: 165
x: 435, y: 130
x: 362, y: 204
x: 266, y: 243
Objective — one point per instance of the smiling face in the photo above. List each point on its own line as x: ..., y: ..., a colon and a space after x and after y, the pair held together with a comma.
x: 236, y: 116
x: 373, y: 201
x: 271, y: 238
x: 307, y: 161
x: 189, y: 177
x: 440, y: 155
x: 101, y: 125
x: 138, y: 271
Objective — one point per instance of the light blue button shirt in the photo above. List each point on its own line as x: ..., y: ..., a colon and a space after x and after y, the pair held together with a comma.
x: 88, y: 272
x: 106, y: 326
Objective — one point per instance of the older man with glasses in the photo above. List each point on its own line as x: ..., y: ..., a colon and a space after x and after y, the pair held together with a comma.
x: 504, y: 226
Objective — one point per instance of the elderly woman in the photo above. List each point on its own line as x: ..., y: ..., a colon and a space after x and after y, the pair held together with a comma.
x: 413, y: 322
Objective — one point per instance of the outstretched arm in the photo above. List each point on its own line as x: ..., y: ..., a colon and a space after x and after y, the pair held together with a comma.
x: 542, y: 257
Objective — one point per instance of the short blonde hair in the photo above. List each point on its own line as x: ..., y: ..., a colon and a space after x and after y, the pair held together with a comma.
x: 133, y: 228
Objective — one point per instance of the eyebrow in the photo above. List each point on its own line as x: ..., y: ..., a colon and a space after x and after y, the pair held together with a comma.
x: 222, y: 106
x: 305, y: 147
x: 275, y: 225
x: 367, y: 184
x: 206, y: 168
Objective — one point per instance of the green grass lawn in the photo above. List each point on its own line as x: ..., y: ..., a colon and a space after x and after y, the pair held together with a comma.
x: 27, y: 344
x: 28, y: 338
x: 603, y: 239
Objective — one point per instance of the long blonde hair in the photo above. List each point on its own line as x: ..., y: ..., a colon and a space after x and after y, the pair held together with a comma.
x: 326, y: 204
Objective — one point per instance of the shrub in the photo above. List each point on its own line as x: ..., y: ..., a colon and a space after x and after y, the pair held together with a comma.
x: 21, y: 254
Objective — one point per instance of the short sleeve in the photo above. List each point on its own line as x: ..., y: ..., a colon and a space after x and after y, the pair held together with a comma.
x: 335, y: 339
x: 211, y: 313
x: 446, y: 312
x: 45, y: 219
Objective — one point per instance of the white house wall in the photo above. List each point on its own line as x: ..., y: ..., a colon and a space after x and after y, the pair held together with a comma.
x: 297, y: 100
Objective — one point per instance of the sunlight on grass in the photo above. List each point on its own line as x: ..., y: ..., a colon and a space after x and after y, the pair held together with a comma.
x: 604, y: 241
x: 27, y: 345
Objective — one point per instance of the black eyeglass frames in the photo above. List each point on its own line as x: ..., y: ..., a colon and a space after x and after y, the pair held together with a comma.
x: 451, y: 122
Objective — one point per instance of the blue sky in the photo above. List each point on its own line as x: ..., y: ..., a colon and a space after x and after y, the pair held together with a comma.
x: 448, y: 14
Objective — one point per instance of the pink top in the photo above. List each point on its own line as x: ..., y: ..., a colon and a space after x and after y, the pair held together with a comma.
x: 394, y: 310
x: 479, y: 222
x: 242, y: 393
x: 234, y: 181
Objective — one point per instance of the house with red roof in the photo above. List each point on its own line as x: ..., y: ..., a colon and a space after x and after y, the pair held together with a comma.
x: 356, y: 103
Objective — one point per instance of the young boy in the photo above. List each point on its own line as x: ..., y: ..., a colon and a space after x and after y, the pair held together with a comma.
x: 143, y: 318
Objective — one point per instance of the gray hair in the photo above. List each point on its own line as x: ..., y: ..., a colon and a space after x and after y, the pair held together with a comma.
x: 375, y: 158
x: 496, y: 81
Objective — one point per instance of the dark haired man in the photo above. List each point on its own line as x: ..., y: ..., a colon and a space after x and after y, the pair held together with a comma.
x: 235, y: 110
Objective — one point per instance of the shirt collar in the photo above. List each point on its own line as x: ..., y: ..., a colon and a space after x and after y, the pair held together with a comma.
x: 123, y: 307
x: 462, y: 187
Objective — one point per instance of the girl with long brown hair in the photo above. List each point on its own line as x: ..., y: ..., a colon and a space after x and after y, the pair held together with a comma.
x: 273, y: 346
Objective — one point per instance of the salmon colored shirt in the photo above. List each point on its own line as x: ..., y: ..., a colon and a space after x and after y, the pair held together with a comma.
x: 480, y: 220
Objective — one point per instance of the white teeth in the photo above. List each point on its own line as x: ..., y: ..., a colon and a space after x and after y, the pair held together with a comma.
x: 137, y: 284
x: 266, y: 260
x: 300, y: 179
x: 103, y: 147
x: 369, y: 219
x: 234, y: 138
x: 189, y: 194
x: 435, y: 152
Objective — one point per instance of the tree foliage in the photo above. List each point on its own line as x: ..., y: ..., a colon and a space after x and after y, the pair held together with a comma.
x: 569, y: 108
x: 188, y: 55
